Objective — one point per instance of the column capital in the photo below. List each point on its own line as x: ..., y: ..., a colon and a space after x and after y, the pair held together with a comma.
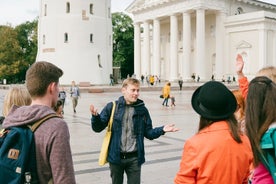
x: 190, y: 11
x: 222, y: 12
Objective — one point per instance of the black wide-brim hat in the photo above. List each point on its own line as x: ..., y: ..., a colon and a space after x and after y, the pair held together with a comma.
x: 214, y: 101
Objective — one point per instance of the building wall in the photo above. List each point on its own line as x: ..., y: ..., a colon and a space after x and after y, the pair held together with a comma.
x: 246, y: 27
x: 87, y: 55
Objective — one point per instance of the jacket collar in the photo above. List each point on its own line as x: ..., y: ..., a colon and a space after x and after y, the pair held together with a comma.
x: 219, y: 125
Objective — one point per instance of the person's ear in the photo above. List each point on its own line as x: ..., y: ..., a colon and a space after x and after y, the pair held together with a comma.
x: 52, y: 87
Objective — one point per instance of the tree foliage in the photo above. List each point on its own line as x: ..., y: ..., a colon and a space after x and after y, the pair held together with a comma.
x: 18, y: 48
x: 123, y: 43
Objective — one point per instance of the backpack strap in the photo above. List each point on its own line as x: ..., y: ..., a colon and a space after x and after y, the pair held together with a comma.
x: 34, y: 126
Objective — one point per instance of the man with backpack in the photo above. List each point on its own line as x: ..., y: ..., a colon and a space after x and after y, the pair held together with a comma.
x: 52, y: 140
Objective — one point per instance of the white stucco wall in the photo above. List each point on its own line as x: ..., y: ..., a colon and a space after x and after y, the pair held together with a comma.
x: 250, y: 32
x: 79, y: 58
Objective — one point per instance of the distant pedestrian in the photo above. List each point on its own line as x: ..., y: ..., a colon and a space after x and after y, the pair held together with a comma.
x: 180, y: 83
x: 213, y: 77
x: 193, y: 76
x: 166, y: 93
x: 142, y: 78
x: 151, y: 80
x: 111, y: 80
x: 198, y: 78
x: 75, y: 94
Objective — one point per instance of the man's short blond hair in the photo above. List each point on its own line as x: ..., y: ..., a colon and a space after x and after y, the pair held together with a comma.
x: 130, y: 80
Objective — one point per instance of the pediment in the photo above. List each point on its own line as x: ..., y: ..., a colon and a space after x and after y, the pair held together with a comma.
x: 243, y: 44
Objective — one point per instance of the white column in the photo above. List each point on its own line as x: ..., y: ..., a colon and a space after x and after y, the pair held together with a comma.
x: 273, y: 49
x: 137, y: 50
x: 186, y: 46
x: 173, y: 47
x: 220, y: 60
x: 200, y: 44
x: 146, y: 50
x: 156, y: 47
x: 262, y: 48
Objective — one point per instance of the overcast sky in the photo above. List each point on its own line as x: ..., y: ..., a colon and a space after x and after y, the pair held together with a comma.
x: 19, y: 11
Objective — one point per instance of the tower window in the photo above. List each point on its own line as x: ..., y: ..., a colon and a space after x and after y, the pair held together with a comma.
x: 91, y: 38
x: 91, y: 9
x: 43, y: 39
x: 67, y: 7
x: 65, y: 37
x: 45, y: 9
x: 109, y: 12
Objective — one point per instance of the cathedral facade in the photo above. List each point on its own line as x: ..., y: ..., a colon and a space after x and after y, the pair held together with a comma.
x: 179, y: 38
x: 77, y: 37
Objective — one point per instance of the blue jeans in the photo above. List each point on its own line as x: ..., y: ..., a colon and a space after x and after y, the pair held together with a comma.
x: 132, y: 169
x: 165, y: 102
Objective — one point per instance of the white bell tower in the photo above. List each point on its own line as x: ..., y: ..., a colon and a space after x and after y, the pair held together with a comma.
x: 76, y: 35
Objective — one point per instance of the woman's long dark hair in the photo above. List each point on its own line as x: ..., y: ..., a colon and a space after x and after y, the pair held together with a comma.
x: 232, y: 123
x: 260, y: 112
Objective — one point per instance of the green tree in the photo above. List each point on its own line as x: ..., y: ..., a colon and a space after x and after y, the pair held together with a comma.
x: 18, y: 48
x: 123, y: 43
x: 9, y: 53
x: 27, y: 38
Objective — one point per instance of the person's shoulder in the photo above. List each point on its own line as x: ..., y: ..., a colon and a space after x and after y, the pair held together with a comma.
x: 55, y: 123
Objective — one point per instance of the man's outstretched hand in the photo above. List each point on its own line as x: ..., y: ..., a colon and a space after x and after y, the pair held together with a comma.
x: 170, y: 128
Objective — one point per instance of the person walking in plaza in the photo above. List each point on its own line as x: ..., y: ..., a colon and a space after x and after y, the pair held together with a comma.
x: 166, y: 93
x: 260, y: 118
x: 131, y: 123
x: 218, y: 153
x: 151, y: 80
x: 111, y: 80
x: 75, y: 94
x: 180, y: 83
x: 52, y: 138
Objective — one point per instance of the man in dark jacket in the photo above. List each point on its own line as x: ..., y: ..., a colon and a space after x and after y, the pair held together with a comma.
x: 131, y: 124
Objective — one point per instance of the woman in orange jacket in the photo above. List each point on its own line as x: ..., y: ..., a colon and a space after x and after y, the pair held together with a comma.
x: 218, y: 153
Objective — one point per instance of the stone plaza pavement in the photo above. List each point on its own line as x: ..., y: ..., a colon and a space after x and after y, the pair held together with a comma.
x: 163, y: 155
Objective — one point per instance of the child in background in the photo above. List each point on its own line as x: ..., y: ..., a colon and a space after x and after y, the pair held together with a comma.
x: 172, y: 100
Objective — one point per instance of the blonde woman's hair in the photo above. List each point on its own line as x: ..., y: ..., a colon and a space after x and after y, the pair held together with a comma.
x: 17, y: 95
x: 269, y: 71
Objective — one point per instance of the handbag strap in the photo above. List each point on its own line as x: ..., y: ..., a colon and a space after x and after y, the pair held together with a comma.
x: 111, y: 117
